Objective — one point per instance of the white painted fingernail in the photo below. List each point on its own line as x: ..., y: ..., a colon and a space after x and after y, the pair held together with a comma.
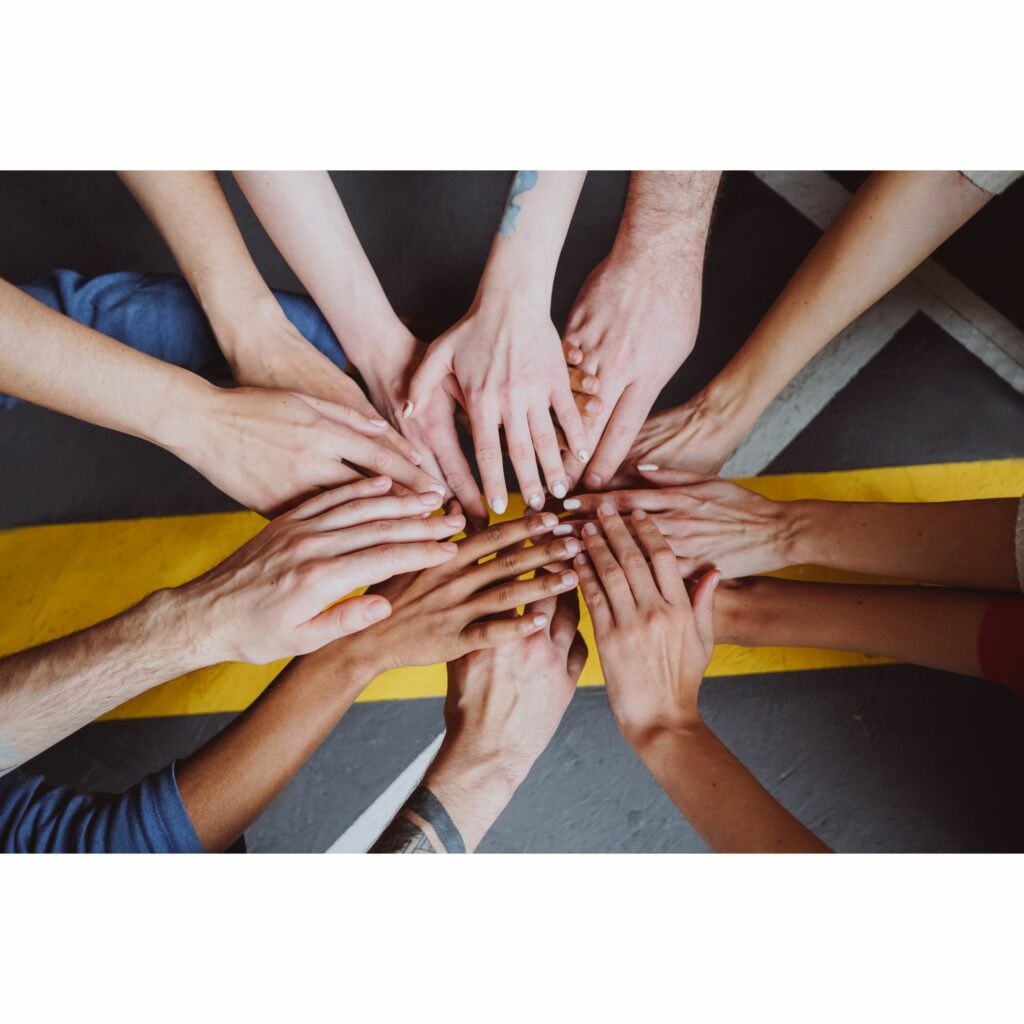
x: 562, y: 531
x: 571, y: 503
x: 378, y: 422
x: 568, y: 579
x: 536, y: 501
x: 435, y: 486
x: 407, y: 410
x: 647, y: 467
x: 498, y: 505
x: 558, y: 490
x: 583, y: 455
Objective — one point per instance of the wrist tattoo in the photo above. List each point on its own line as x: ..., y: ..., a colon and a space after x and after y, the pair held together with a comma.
x: 405, y: 836
x: 522, y: 182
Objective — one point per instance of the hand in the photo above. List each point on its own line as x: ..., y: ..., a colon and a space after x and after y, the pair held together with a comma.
x: 265, y: 350
x: 503, y: 707
x: 440, y: 615
x: 268, y: 599
x: 635, y: 321
x: 506, y: 360
x: 709, y: 522
x: 433, y: 429
x: 270, y: 449
x: 654, y: 643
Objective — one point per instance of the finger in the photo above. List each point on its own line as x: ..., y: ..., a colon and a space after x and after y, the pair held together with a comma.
x: 571, y: 422
x: 593, y: 594
x: 455, y: 467
x: 515, y: 561
x: 427, y: 378
x: 343, y: 619
x: 478, y: 636
x: 589, y: 405
x: 663, y: 560
x: 546, y: 444
x: 651, y: 500
x: 483, y: 423
x: 582, y: 382
x: 500, y: 536
x: 577, y: 657
x: 370, y: 509
x: 364, y: 487
x: 520, y: 451
x: 704, y: 608
x: 347, y: 416
x: 376, y: 457
x: 545, y: 606
x: 627, y: 554
x: 573, y: 354
x: 565, y: 619
x: 337, y: 577
x: 672, y: 477
x: 610, y: 573
x: 383, y: 531
x: 516, y: 593
x: 618, y: 436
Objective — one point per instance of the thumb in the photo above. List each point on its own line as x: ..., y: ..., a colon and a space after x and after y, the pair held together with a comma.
x: 346, y: 617
x: 672, y: 477
x: 436, y: 365
x: 703, y: 604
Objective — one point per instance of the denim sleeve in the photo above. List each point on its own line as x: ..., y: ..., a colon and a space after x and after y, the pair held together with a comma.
x: 36, y: 817
x: 158, y: 315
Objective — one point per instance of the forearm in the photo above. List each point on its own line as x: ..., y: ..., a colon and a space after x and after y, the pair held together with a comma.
x: 723, y: 801
x: 229, y: 782
x: 528, y: 243
x: 304, y: 216
x: 952, y: 543
x: 927, y: 626
x: 49, y: 359
x: 49, y: 691
x: 891, y: 224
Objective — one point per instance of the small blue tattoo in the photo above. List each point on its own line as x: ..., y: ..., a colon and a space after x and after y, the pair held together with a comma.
x: 522, y: 182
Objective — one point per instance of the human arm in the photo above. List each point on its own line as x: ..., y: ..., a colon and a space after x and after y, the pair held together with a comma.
x: 504, y: 357
x: 266, y: 601
x: 892, y: 223
x: 436, y: 615
x: 502, y: 708
x: 710, y: 522
x: 655, y: 645
x: 260, y: 343
x: 636, y: 317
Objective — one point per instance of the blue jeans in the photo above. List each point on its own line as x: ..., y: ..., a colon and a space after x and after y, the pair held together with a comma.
x: 157, y: 314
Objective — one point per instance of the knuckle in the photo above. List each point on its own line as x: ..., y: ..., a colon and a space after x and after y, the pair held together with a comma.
x: 519, y: 451
x: 510, y: 561
x: 383, y: 527
x: 545, y: 439
x: 506, y: 593
x: 495, y: 535
x: 613, y: 573
x: 488, y: 454
x: 384, y: 458
x: 635, y: 561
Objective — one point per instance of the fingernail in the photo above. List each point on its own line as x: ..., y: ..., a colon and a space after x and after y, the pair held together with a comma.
x: 594, y: 480
x: 548, y: 520
x: 381, y: 481
x: 589, y: 529
x: 583, y: 455
x: 563, y: 530
x: 416, y: 455
x: 377, y: 422
x: 592, y: 405
x: 572, y: 546
x: 431, y: 499
x: 540, y: 620
x: 535, y: 501
x: 456, y: 520
x: 567, y: 579
x: 639, y: 513
x: 434, y: 485
x: 580, y: 559
x: 575, y: 356
x: 589, y: 383
x: 571, y: 503
x: 605, y: 509
x: 449, y: 546
x: 498, y: 505
x: 407, y: 410
x: 647, y: 467
x: 558, y: 490
x: 377, y: 611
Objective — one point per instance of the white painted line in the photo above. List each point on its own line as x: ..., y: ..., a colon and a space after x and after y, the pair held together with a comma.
x: 363, y: 832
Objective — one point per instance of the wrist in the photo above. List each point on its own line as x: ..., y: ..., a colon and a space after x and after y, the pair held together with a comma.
x: 647, y: 738
x: 172, y: 622
x: 512, y: 282
x: 802, y: 532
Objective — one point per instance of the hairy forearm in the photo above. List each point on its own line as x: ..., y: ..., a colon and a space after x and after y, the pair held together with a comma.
x: 952, y: 543
x: 230, y: 781
x: 49, y: 359
x: 49, y: 691
x: 304, y: 216
x: 893, y: 222
x: 720, y: 798
x: 668, y: 214
x: 927, y: 626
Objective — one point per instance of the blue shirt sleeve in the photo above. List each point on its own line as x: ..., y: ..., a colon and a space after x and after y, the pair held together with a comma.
x: 36, y: 817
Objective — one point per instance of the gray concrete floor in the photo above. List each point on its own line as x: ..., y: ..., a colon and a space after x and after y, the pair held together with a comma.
x: 886, y: 758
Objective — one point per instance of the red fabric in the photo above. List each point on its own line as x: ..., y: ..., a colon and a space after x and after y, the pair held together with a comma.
x: 1001, y: 643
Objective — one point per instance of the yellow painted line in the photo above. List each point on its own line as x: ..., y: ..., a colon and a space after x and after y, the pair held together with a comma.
x: 56, y: 579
